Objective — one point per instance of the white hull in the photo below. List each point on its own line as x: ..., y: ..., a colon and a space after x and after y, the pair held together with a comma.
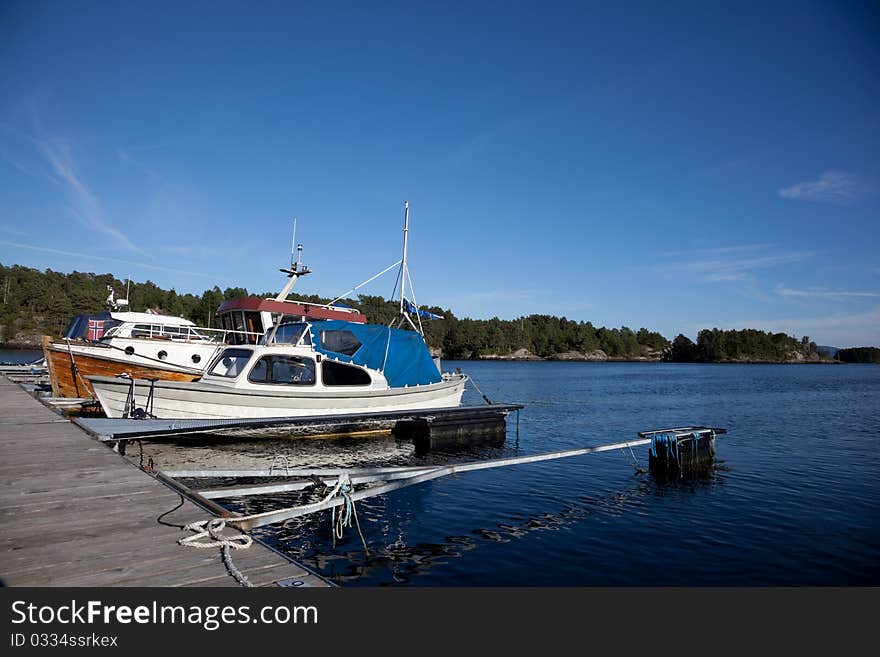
x: 191, y: 357
x: 200, y: 400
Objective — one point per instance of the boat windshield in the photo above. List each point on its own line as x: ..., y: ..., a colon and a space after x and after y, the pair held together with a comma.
x: 290, y: 333
x: 230, y: 362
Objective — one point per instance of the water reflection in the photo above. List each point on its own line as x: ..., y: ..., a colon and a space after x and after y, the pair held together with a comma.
x: 389, y: 523
x: 393, y: 523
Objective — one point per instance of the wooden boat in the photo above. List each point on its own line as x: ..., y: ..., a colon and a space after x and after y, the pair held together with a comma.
x: 167, y: 348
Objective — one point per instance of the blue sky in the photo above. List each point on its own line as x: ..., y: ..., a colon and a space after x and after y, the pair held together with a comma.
x: 674, y: 166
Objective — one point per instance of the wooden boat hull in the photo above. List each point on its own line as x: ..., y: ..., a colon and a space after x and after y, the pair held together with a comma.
x: 200, y: 400
x: 69, y: 369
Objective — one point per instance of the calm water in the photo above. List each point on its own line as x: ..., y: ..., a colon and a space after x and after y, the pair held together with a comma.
x: 16, y: 356
x: 793, y: 499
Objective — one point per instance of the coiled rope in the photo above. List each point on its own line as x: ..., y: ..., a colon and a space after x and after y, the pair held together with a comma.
x: 339, y: 522
x: 212, y: 529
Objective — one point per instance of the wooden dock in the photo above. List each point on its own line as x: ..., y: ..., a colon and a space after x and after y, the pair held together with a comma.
x: 76, y: 513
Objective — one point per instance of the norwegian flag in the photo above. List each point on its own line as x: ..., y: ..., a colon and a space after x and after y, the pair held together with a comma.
x: 96, y: 329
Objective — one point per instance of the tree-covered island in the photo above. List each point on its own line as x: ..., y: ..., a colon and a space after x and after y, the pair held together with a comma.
x: 35, y: 303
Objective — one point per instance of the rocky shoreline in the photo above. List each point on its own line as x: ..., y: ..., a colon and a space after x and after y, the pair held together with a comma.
x: 599, y: 356
x: 524, y: 355
x: 595, y: 356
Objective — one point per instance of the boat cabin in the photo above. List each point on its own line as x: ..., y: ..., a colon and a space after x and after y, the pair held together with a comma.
x: 327, y: 354
x: 251, y: 317
x: 98, y: 326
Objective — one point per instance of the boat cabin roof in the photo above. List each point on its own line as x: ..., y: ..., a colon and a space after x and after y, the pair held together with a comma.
x: 296, y: 308
x: 150, y: 318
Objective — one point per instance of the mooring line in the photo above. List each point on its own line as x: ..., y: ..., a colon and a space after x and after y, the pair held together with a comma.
x: 212, y: 529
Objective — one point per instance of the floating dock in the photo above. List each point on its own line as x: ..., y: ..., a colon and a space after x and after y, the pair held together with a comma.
x: 434, y: 424
x: 76, y: 513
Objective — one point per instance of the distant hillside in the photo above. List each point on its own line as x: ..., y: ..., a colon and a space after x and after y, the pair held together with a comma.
x: 828, y: 352
x: 35, y: 303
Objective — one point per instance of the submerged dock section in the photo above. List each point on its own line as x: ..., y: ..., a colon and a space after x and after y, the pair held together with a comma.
x: 76, y: 513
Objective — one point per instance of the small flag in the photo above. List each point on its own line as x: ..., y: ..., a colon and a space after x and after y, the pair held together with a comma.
x: 96, y: 329
x: 411, y: 308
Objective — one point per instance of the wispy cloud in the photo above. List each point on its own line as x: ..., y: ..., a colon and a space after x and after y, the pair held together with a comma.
x: 192, y: 251
x: 85, y: 256
x: 478, y: 143
x: 831, y: 187
x: 721, y: 250
x: 85, y: 204
x: 14, y: 231
x: 824, y: 293
x: 28, y: 171
x: 733, y: 263
x: 125, y: 157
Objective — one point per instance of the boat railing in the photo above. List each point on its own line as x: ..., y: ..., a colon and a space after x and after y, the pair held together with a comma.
x: 178, y: 333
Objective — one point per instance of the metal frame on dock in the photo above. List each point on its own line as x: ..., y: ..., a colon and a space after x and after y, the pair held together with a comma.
x: 344, y: 479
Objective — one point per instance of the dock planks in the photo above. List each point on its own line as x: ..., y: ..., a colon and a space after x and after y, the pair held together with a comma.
x: 76, y: 513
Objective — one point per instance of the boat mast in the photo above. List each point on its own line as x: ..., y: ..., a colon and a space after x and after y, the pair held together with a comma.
x: 403, y: 260
x: 404, y: 272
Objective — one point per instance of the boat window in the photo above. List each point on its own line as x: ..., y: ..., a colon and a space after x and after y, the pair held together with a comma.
x: 142, y: 331
x: 173, y: 332
x: 341, y: 341
x: 226, y: 322
x: 254, y: 327
x: 281, y: 369
x: 338, y: 374
x: 230, y: 363
x: 289, y: 334
x: 105, y: 328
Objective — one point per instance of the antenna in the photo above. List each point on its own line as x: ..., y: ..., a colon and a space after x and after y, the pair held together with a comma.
x: 296, y: 270
x: 293, y: 265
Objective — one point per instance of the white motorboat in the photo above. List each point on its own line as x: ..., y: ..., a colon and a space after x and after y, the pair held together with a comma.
x: 312, y: 368
x: 326, y: 366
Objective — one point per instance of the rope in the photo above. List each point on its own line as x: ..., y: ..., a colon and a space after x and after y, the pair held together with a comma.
x: 485, y: 398
x: 74, y: 370
x: 338, y: 523
x: 635, y: 461
x: 211, y: 529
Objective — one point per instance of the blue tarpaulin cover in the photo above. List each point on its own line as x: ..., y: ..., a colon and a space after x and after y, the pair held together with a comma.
x: 408, y: 363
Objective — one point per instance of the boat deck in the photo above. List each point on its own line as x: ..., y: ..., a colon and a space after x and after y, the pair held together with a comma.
x: 76, y: 513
